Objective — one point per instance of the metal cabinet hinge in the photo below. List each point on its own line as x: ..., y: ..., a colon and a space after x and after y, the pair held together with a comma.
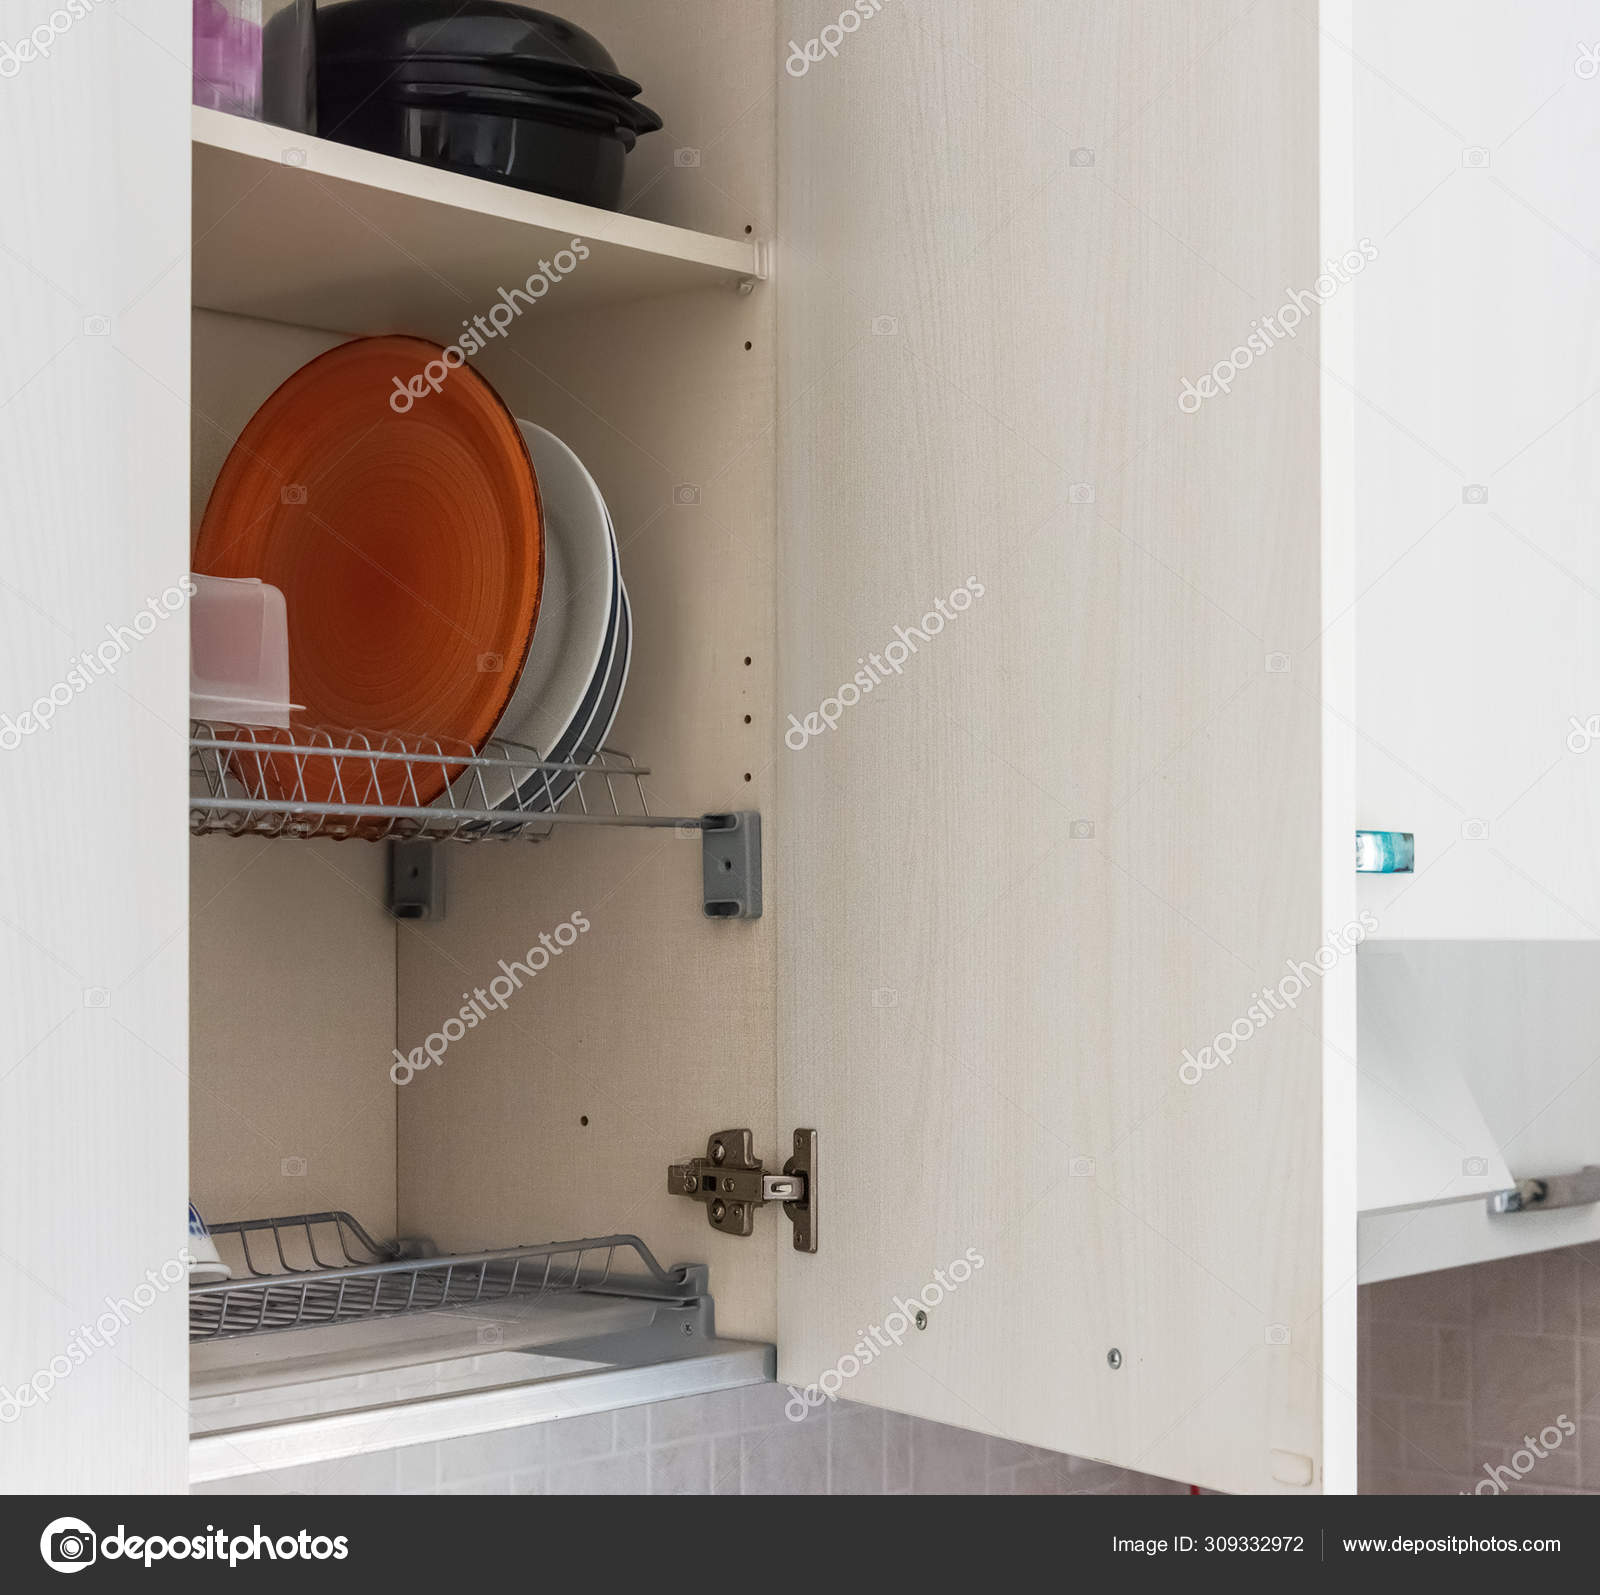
x: 730, y: 865
x: 732, y: 1183
x: 1555, y: 1190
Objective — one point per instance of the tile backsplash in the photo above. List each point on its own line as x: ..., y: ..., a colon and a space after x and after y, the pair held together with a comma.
x: 1484, y: 1379
x: 734, y: 1442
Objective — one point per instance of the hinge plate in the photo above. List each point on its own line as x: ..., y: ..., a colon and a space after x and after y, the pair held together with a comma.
x: 732, y: 1183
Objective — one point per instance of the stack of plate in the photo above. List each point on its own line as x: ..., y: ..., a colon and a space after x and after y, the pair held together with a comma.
x: 567, y: 697
x: 448, y: 572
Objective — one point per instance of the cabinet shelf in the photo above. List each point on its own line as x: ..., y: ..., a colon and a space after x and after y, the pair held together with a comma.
x: 342, y: 785
x: 303, y: 230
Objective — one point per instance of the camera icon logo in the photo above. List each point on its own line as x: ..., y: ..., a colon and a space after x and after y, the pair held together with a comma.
x: 1081, y: 1168
x: 1474, y: 1165
x: 686, y: 493
x: 1475, y: 493
x: 293, y: 493
x: 1277, y: 1334
x: 1278, y: 664
x: 1081, y: 830
x: 885, y: 997
x: 884, y: 326
x: 1475, y: 155
x: 686, y: 157
x: 97, y: 326
x: 293, y: 157
x: 1080, y: 493
x: 1475, y: 830
x: 1082, y: 157
x: 489, y: 663
x: 68, y: 1545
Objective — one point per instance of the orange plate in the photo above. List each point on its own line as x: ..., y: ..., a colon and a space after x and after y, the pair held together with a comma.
x: 409, y: 546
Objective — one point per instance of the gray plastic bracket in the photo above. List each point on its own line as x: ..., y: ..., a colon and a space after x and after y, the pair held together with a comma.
x: 416, y: 880
x: 731, y: 865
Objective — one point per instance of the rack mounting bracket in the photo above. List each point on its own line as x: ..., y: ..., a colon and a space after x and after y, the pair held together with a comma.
x: 730, y: 865
x: 416, y: 880
x: 732, y: 1183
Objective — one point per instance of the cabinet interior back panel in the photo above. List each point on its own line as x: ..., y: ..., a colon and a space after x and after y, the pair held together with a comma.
x: 558, y: 1116
x: 291, y: 949
x: 1051, y: 837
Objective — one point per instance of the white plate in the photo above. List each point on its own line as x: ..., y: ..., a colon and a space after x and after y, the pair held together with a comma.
x: 575, y: 610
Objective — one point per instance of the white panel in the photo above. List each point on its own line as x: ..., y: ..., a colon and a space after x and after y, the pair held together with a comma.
x: 1422, y: 1133
x: 1521, y: 1021
x: 1479, y: 617
x: 1079, y: 831
x: 93, y: 938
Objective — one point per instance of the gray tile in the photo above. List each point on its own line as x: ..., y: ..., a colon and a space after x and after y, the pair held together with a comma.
x: 1520, y: 1383
x: 528, y: 1483
x: 792, y: 1460
x: 946, y: 1461
x: 482, y: 1456
x: 727, y: 1464
x: 762, y: 1407
x: 624, y: 1474
x: 1403, y: 1360
x: 1444, y: 1297
x: 631, y: 1431
x: 1506, y: 1294
x: 896, y: 1452
x: 1437, y: 1438
x: 377, y: 1473
x: 578, y: 1439
x: 692, y: 1416
x: 855, y: 1452
x: 418, y: 1467
x: 682, y: 1468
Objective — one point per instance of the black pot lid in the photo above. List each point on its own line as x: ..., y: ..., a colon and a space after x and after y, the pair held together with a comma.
x: 394, y: 29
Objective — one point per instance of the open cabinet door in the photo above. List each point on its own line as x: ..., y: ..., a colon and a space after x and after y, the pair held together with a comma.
x: 1053, y: 811
x: 94, y: 423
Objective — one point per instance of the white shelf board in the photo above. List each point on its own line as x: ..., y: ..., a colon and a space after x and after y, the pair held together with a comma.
x: 298, y: 229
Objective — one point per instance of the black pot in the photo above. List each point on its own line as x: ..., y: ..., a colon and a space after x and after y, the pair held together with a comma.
x: 482, y: 87
x: 564, y: 155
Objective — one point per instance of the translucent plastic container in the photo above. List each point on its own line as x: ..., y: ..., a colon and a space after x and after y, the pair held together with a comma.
x: 239, y: 653
x: 227, y: 56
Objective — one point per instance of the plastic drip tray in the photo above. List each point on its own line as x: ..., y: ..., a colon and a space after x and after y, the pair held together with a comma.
x: 265, y: 1378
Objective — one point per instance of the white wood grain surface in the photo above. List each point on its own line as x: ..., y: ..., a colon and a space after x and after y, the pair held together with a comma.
x: 1080, y: 831
x: 94, y: 192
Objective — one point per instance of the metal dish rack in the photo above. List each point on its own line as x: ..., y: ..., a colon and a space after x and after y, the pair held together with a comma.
x: 369, y: 1280
x: 314, y: 782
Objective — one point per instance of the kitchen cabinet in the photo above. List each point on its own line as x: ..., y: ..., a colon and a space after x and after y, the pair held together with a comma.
x: 1041, y: 682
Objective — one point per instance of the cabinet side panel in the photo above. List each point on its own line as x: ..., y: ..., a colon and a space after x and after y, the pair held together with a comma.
x: 94, y: 192
x: 1052, y: 521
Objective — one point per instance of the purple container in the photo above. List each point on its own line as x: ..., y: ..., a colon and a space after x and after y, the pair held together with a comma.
x: 227, y: 56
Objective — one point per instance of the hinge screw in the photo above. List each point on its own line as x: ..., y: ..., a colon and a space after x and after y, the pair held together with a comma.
x: 921, y: 1320
x: 689, y: 1183
x: 719, y: 1153
x: 1113, y: 1358
x: 719, y: 1210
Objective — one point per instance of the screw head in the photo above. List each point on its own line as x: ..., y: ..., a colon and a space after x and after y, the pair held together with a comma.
x: 689, y: 1184
x: 688, y: 1329
x: 1113, y: 1358
x: 921, y: 1320
x: 719, y: 1153
x: 719, y: 1210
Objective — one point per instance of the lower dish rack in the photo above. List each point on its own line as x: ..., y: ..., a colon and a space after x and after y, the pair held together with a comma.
x: 370, y: 1280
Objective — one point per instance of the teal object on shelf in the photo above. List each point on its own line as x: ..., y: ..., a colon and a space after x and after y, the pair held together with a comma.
x: 1385, y: 852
